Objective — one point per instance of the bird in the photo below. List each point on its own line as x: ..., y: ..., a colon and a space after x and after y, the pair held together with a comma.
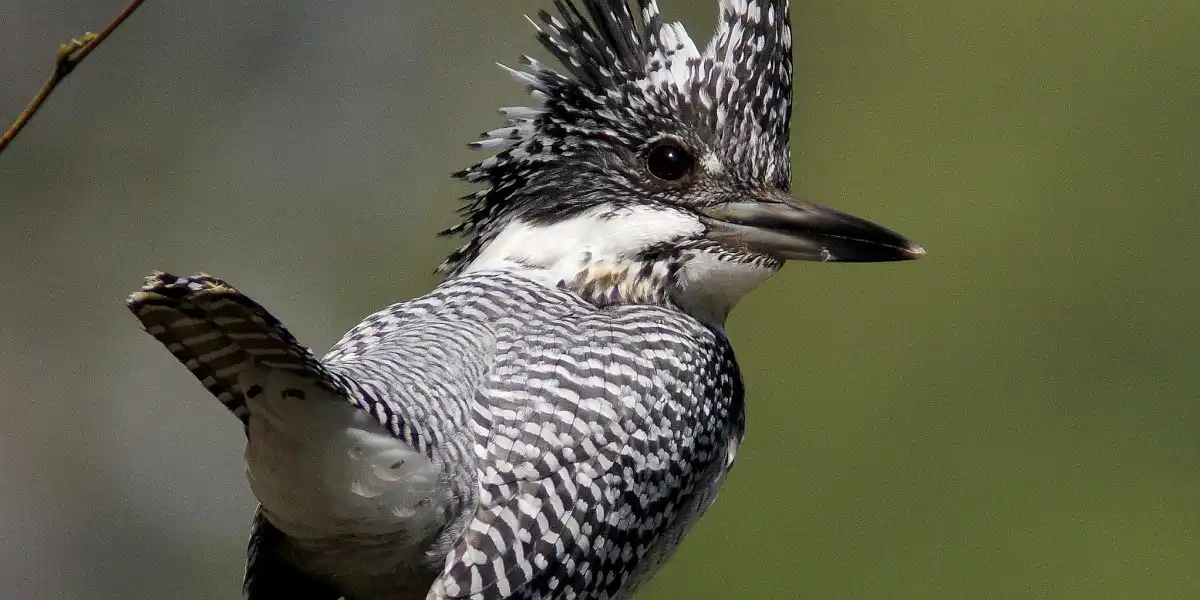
x: 550, y: 421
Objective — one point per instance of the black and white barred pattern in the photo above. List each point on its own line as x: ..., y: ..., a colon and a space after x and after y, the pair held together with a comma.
x: 597, y: 435
x: 582, y: 441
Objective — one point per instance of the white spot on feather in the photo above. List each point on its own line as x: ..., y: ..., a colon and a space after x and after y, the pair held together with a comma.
x: 712, y: 164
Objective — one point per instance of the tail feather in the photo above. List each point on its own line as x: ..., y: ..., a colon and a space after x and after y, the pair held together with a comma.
x: 217, y: 333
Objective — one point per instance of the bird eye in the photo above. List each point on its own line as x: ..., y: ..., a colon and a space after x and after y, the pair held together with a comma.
x: 669, y: 161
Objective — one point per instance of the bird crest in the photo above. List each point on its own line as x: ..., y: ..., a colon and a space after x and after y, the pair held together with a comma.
x: 629, y: 77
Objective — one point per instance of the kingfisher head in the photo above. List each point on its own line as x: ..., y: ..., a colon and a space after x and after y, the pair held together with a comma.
x: 654, y: 170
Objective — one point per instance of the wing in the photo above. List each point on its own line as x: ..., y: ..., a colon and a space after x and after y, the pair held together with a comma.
x: 591, y: 439
x: 217, y: 333
x: 396, y: 368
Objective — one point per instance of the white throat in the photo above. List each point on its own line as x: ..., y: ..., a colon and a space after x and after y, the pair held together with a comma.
x: 596, y: 254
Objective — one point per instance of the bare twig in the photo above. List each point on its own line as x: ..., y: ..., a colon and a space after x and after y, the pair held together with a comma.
x: 69, y: 56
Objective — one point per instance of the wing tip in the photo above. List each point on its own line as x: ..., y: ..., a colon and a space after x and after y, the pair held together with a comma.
x: 162, y: 288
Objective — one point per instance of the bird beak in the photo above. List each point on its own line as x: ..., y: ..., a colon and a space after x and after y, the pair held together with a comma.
x: 789, y: 228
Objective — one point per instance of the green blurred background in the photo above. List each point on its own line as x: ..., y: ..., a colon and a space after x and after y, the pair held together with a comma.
x: 1013, y: 417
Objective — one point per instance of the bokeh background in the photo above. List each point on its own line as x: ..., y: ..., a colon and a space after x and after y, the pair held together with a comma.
x: 1013, y: 417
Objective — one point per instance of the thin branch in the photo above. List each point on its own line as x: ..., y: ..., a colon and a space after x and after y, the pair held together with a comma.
x: 69, y: 56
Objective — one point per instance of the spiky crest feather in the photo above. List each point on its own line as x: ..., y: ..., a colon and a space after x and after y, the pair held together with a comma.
x: 626, y: 79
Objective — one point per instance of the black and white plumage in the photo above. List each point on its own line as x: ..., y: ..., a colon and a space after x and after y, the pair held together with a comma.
x: 549, y: 422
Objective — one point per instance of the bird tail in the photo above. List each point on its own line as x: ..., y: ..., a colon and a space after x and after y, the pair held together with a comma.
x: 218, y: 333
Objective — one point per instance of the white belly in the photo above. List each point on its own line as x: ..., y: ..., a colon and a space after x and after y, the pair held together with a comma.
x: 357, y: 504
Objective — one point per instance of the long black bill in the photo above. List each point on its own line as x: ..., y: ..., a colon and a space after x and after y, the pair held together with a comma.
x: 789, y: 228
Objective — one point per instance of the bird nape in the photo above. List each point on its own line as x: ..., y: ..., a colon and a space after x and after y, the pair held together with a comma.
x: 550, y: 421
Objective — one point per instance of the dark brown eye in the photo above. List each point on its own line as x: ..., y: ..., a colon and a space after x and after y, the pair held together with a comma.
x: 670, y: 162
